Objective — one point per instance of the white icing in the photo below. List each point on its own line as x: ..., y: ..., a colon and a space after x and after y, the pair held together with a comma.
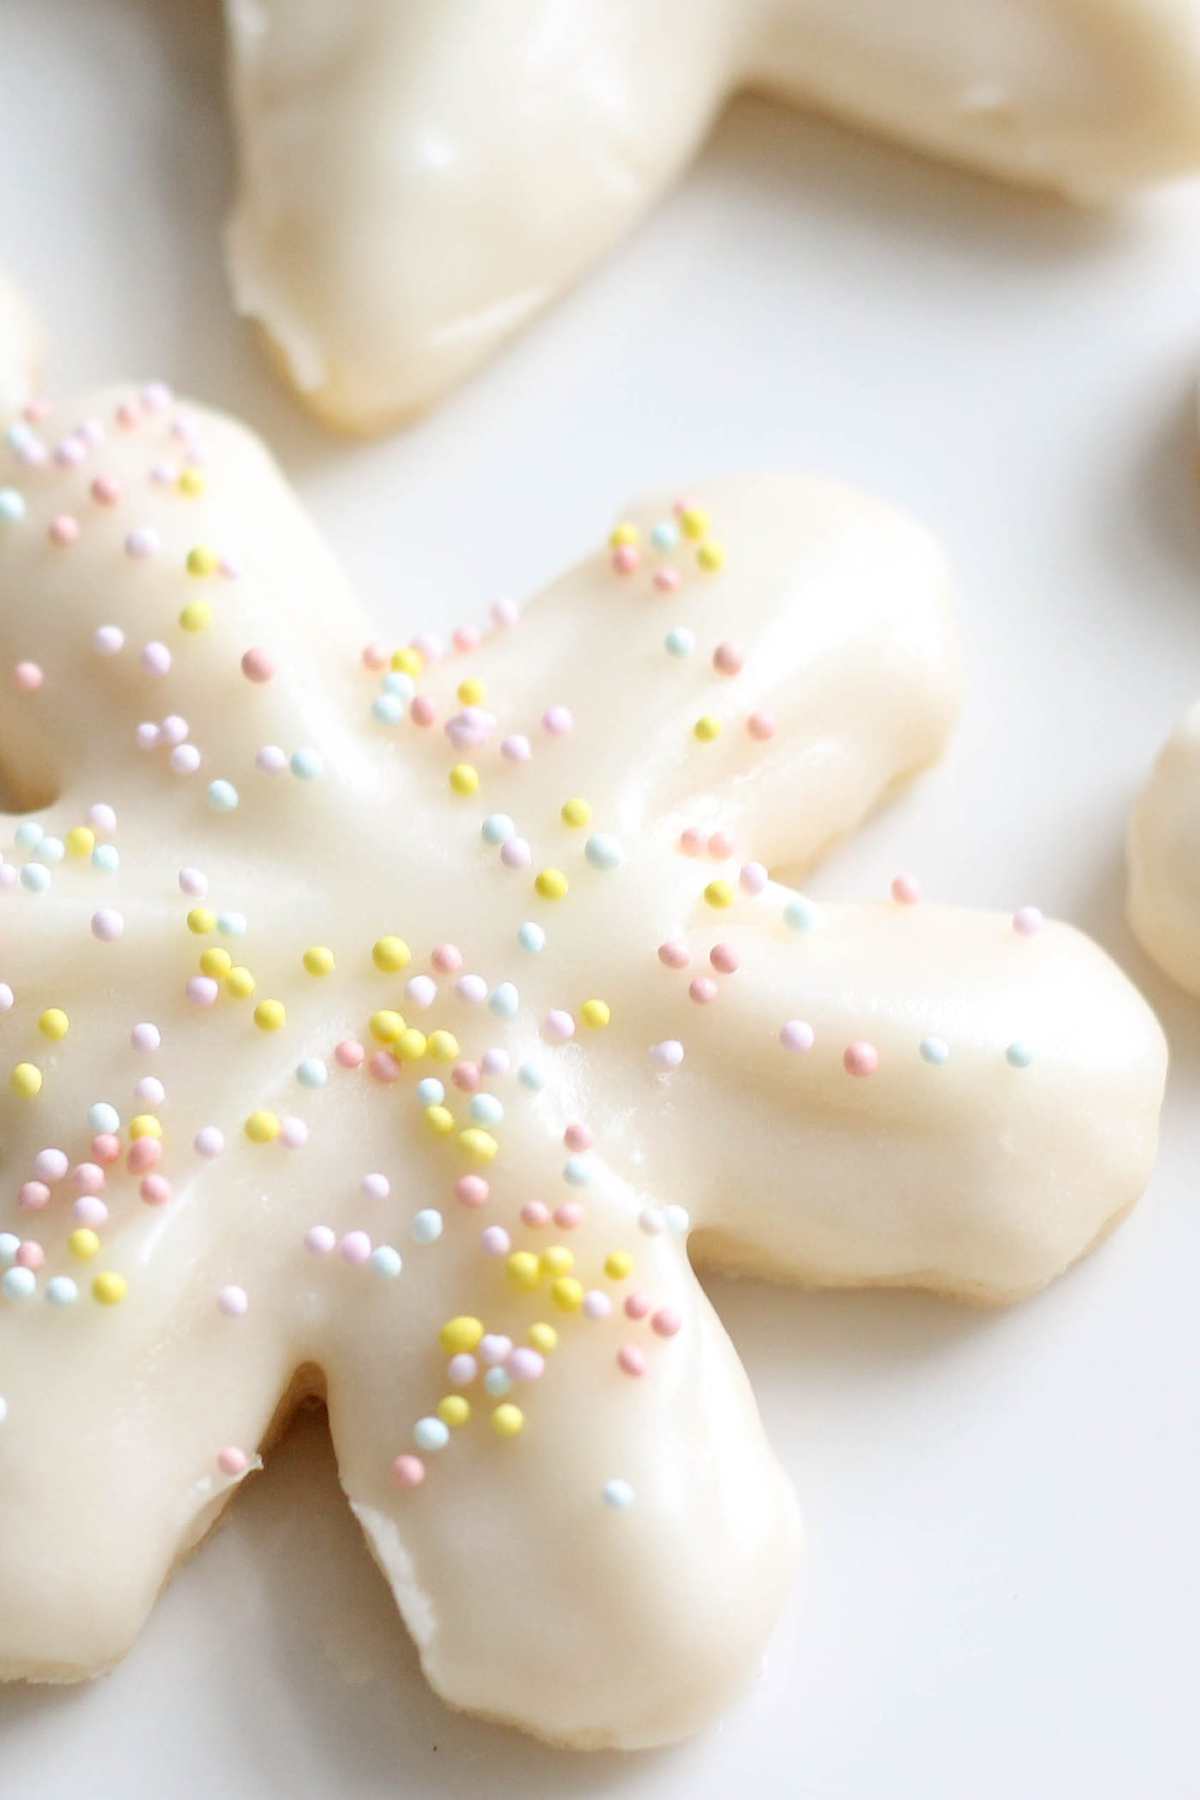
x: 1164, y: 857
x: 532, y: 1599
x: 414, y: 187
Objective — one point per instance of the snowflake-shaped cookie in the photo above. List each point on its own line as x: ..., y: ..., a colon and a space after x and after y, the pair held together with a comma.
x: 417, y: 182
x: 384, y: 1024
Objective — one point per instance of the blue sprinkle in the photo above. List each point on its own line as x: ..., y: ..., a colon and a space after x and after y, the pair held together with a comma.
x: 12, y: 506
x: 61, y: 1291
x: 107, y: 858
x: 387, y: 709
x: 397, y: 683
x: 679, y: 641
x: 51, y: 850
x: 103, y: 1117
x: 498, y: 1382
x: 800, y: 914
x: 485, y: 1109
x: 531, y: 1077
x: 497, y: 828
x: 531, y: 937
x: 306, y: 765
x: 431, y: 1434
x: 29, y: 834
x: 35, y: 877
x: 505, y: 1001
x: 618, y: 1494
x: 222, y: 796
x: 664, y: 535
x: 935, y: 1050
x: 312, y: 1072
x: 1019, y: 1055
x: 231, y: 924
x: 577, y: 1171
x: 386, y: 1261
x: 430, y: 1092
x: 603, y: 852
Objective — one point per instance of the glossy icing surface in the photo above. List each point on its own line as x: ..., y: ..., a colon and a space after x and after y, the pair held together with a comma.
x: 1164, y: 857
x: 415, y: 186
x: 642, y: 1037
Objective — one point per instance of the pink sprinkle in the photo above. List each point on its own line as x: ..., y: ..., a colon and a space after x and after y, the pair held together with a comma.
x: 428, y: 647
x: 408, y: 1471
x: 630, y: 1360
x: 472, y: 988
x: 752, y: 878
x: 355, y: 1247
x: 447, y: 959
x: 515, y: 853
x: 384, y: 1067
x: 51, y: 1165
x: 374, y: 656
x: 194, y: 883
x: 559, y: 1026
x: 202, y: 990
x: 8, y: 879
x: 423, y: 712
x: 173, y: 729
x: 293, y: 1133
x: 30, y: 1255
x: 724, y: 959
x: 33, y: 1196
x: 421, y: 990
x: 761, y: 726
x: 533, y: 1213
x: 461, y: 1370
x: 505, y: 612
x: 155, y: 658
x: 674, y: 955
x: 145, y: 1037
x: 466, y: 1077
x: 465, y: 638
x: 144, y: 1153
x: 270, y: 760
x: 109, y: 640
x: 349, y: 1054
x: 27, y: 678
x: 557, y: 720
x: 525, y: 1364
x: 185, y: 759
x: 569, y: 1215
x: 234, y: 1302
x: 666, y: 1321
x: 141, y: 543
x: 319, y: 1240
x: 89, y: 1178
x: 797, y: 1035
x: 692, y: 842
x: 597, y: 1305
x: 209, y: 1141
x: 105, y: 491
x: 1028, y: 920
x: 495, y: 1241
x: 106, y: 1148
x: 668, y: 1054
x: 516, y: 748
x: 471, y: 1190
x: 666, y: 580
x: 906, y: 890
x: 257, y: 665
x: 150, y: 1089
x: 102, y: 818
x: 637, y: 1306
x: 496, y: 1061
x: 625, y: 559
x: 232, y: 1462
x: 860, y: 1059
x: 494, y: 1349
x: 63, y: 530
x: 155, y: 1190
x: 91, y: 1211
x: 156, y: 397
x: 702, y: 989
x: 375, y: 1187
x: 728, y: 659
x: 127, y: 416
x: 578, y: 1137
x: 720, y: 845
x: 147, y: 735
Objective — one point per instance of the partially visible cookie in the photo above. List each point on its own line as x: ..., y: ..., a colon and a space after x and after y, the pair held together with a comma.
x: 20, y: 349
x: 1164, y: 857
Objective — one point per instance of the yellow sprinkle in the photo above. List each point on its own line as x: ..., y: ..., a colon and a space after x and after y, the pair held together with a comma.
x: 318, y: 960
x: 83, y: 1243
x: 624, y: 533
x: 202, y: 561
x: 409, y: 661
x: 557, y: 1260
x: 386, y: 1026
x: 442, y: 1046
x: 595, y: 1013
x: 191, y: 483
x: 391, y: 954
x: 719, y: 893
x: 618, y: 1266
x: 54, y: 1023
x: 551, y: 884
x: 711, y: 556
x: 693, y: 522
x: 479, y: 1145
x: 262, y: 1127
x: 411, y: 1044
x: 576, y: 813
x: 26, y: 1080
x: 215, y: 962
x: 270, y: 1015
x: 145, y: 1125
x: 201, y: 921
x: 197, y: 615
x: 508, y: 1420
x: 81, y: 841
x: 109, y: 1289
x: 523, y: 1268
x: 567, y: 1293
x: 454, y: 1410
x: 464, y: 779
x: 472, y: 692
x: 707, y: 729
x: 543, y: 1337
x: 239, y: 983
x: 440, y: 1119
x: 460, y: 1334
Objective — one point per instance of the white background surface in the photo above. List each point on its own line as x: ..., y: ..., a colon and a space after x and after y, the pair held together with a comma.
x: 1001, y: 1588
